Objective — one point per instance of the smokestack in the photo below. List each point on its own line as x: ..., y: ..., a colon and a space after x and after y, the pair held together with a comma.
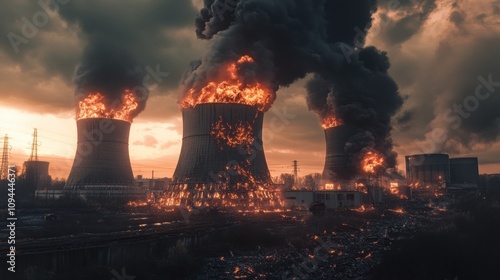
x: 102, y: 163
x: 339, y: 164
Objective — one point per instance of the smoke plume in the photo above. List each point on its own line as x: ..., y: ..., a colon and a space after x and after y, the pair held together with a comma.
x: 292, y: 38
x: 108, y: 69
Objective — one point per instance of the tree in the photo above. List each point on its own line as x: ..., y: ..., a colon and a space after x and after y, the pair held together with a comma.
x: 309, y: 182
x: 287, y: 180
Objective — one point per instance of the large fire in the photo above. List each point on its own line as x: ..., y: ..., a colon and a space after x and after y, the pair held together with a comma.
x: 230, y: 88
x: 330, y: 122
x: 93, y: 106
x: 232, y: 136
x: 371, y: 161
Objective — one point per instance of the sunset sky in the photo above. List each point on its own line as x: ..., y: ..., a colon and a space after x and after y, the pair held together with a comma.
x: 440, y: 52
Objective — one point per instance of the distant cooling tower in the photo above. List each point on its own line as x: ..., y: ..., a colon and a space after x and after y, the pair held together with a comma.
x: 102, y: 162
x: 338, y: 163
x: 202, y: 160
x: 428, y: 169
x: 37, y: 175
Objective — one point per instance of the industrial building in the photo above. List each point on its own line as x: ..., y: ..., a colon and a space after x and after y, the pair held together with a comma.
x: 152, y: 184
x: 331, y: 199
x: 428, y: 169
x: 438, y: 170
x: 102, y: 163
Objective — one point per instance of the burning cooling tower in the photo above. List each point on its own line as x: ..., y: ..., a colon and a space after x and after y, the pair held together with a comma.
x: 203, y: 160
x: 338, y: 163
x: 102, y: 159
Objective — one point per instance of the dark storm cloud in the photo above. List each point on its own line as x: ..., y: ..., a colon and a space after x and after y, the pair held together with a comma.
x: 458, y: 18
x: 154, y: 32
x: 474, y: 116
x: 414, y: 14
x: 143, y: 28
x: 446, y: 61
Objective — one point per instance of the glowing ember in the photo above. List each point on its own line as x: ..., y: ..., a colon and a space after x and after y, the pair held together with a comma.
x: 399, y: 210
x: 360, y: 209
x: 371, y: 161
x: 93, y: 106
x: 230, y: 88
x: 232, y: 136
x: 260, y: 199
x: 330, y: 122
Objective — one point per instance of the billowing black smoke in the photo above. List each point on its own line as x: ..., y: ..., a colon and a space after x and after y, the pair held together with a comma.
x: 361, y: 93
x: 291, y: 38
x: 364, y: 96
x: 286, y: 38
x: 108, y: 69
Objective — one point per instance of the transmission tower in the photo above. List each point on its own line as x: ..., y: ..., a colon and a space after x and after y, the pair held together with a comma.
x: 295, y: 172
x: 4, y: 168
x: 34, y: 146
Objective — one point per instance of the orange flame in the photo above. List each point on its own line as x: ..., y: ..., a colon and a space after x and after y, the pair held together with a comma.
x: 371, y: 161
x: 231, y: 89
x: 330, y: 122
x: 93, y: 107
x: 232, y: 136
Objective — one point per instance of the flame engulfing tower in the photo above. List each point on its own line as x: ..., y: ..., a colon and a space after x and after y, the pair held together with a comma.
x: 204, y: 158
x: 102, y: 157
x: 222, y: 161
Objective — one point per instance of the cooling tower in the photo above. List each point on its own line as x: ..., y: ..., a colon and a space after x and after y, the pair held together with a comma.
x: 338, y: 163
x: 203, y: 160
x: 428, y: 169
x: 102, y: 160
x: 212, y: 173
x: 36, y: 175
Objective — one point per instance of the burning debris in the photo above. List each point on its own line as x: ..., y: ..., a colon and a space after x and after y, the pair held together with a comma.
x: 344, y: 245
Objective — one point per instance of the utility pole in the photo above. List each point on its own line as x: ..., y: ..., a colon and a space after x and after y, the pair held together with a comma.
x: 4, y: 167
